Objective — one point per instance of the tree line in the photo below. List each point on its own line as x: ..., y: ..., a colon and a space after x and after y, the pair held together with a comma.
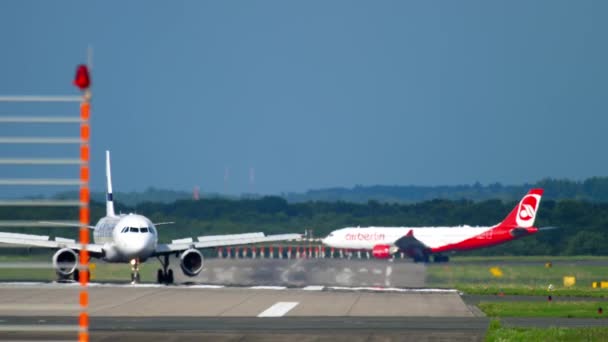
x: 582, y: 224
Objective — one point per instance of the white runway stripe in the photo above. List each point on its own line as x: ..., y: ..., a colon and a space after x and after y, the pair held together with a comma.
x: 313, y: 288
x: 279, y: 309
x: 268, y: 287
x: 38, y: 327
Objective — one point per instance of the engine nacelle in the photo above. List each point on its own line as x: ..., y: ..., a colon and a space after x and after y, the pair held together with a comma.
x: 382, y: 251
x: 65, y: 261
x: 191, y: 262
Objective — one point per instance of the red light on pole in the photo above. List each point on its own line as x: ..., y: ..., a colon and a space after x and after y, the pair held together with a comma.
x: 82, y: 79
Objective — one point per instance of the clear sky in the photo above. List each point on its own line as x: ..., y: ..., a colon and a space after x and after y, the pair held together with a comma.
x: 314, y: 94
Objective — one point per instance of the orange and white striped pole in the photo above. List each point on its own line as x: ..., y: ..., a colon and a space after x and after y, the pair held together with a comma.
x: 83, y: 82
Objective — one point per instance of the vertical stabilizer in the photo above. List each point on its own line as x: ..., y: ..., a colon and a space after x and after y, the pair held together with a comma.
x: 524, y: 214
x: 109, y: 199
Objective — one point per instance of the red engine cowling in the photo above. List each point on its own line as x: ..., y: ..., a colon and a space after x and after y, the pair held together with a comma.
x: 381, y: 251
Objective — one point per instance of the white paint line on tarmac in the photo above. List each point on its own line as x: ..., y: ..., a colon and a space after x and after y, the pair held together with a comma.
x: 391, y: 289
x: 268, y: 287
x: 39, y: 307
x: 279, y: 309
x: 38, y: 327
x: 313, y: 288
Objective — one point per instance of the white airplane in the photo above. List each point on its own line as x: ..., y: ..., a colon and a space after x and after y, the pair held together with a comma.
x: 133, y: 239
x: 420, y: 242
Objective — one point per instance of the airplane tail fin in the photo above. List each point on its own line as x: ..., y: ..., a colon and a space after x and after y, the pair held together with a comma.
x: 109, y: 199
x: 524, y: 214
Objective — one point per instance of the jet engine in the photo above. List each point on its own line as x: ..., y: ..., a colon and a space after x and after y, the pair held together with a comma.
x: 191, y: 262
x: 65, y: 261
x: 381, y: 251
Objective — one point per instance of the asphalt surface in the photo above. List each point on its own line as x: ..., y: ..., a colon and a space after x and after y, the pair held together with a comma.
x: 258, y: 329
x: 303, y: 272
x: 203, y: 301
x: 312, y: 299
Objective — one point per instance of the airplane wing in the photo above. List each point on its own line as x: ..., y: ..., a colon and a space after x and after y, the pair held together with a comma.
x: 46, y: 242
x: 220, y: 241
x: 64, y: 224
x: 410, y: 245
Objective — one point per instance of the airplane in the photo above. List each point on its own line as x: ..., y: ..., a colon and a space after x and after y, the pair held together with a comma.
x: 133, y: 238
x: 421, y: 242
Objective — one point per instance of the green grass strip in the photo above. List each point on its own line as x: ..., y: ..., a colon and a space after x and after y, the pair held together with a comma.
x: 498, y: 333
x: 545, y: 309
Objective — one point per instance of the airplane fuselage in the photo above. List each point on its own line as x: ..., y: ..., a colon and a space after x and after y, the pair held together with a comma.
x: 126, y: 237
x: 437, y: 239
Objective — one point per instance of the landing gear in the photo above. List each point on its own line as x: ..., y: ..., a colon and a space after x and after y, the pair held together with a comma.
x: 135, y: 271
x: 421, y: 258
x: 164, y: 275
x: 441, y: 258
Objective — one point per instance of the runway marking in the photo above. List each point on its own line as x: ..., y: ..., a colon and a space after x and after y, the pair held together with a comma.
x: 39, y: 307
x: 205, y: 286
x: 279, y: 309
x: 268, y: 287
x: 363, y: 270
x: 377, y: 271
x: 390, y: 289
x: 313, y: 288
x: 38, y: 327
x: 363, y: 287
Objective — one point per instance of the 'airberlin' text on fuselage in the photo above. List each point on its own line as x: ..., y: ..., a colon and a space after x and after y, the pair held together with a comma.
x: 364, y: 237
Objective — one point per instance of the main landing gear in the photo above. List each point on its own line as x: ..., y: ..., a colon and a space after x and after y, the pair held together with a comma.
x: 164, y: 275
x: 134, y: 271
x: 440, y: 258
x: 436, y: 258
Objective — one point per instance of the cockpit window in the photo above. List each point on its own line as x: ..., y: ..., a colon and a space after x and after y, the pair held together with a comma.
x: 143, y: 230
x: 133, y: 230
x: 152, y: 230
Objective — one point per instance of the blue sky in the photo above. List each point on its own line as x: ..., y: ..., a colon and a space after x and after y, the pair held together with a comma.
x: 314, y: 94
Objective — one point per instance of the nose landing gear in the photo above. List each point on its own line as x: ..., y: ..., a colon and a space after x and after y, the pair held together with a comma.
x: 164, y: 275
x: 134, y: 271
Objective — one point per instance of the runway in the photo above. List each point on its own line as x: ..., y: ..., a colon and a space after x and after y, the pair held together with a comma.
x: 202, y: 301
x: 150, y: 312
x: 256, y: 329
x: 303, y: 272
x: 259, y: 300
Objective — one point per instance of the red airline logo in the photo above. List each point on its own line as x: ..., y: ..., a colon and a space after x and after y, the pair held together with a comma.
x: 527, y: 210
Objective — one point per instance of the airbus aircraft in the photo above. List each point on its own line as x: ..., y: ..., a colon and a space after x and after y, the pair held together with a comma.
x: 420, y: 243
x: 132, y: 238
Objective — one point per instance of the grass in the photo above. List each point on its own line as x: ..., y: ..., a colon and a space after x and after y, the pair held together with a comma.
x: 498, y: 333
x: 545, y: 309
x: 518, y: 279
x: 529, y: 258
x: 515, y: 290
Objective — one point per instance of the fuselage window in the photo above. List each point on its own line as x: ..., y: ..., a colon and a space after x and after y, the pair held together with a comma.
x: 133, y: 230
x: 143, y: 230
x: 152, y: 230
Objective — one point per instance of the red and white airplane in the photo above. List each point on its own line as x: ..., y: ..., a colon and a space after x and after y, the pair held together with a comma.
x: 420, y: 243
